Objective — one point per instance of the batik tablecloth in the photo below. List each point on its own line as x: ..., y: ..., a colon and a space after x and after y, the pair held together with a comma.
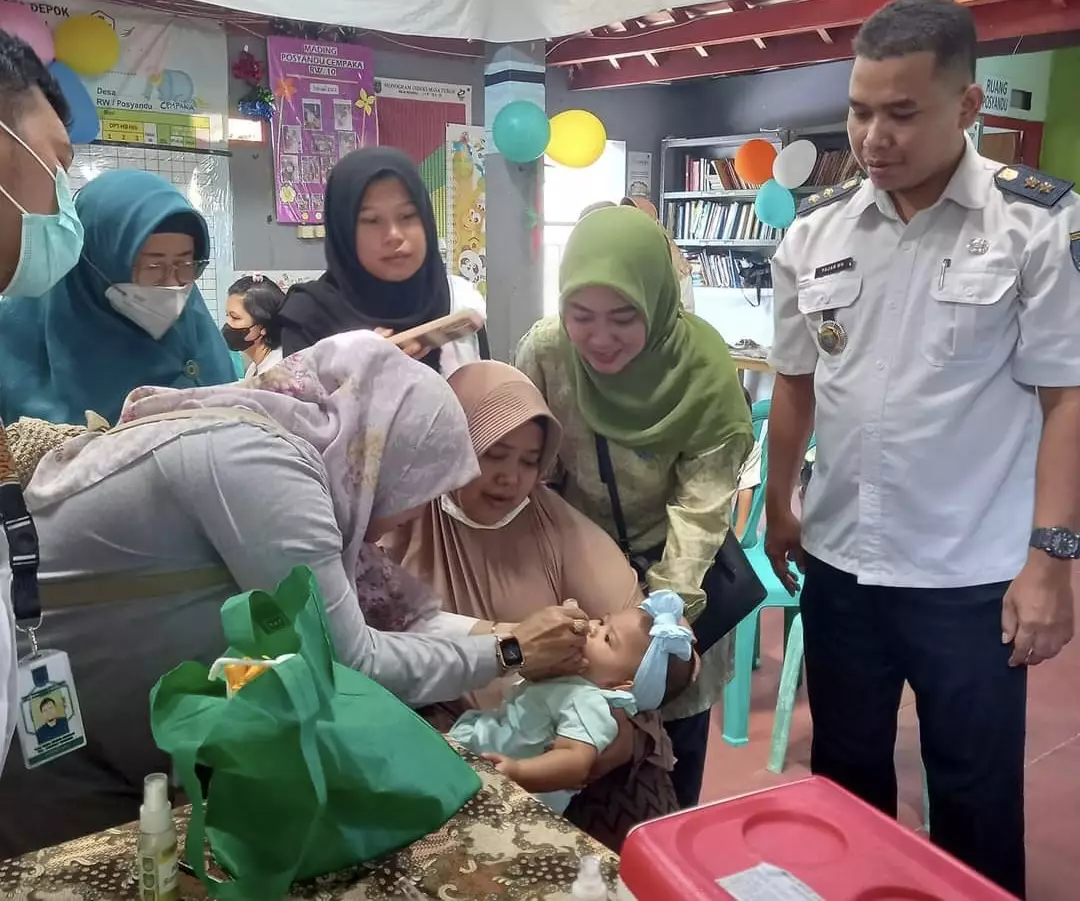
x: 502, y: 846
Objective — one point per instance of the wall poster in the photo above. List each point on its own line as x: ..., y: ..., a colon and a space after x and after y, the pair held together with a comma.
x: 638, y: 174
x: 466, y: 251
x: 413, y: 116
x: 169, y: 88
x: 325, y: 108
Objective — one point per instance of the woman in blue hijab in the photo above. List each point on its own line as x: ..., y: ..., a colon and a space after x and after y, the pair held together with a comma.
x: 128, y: 314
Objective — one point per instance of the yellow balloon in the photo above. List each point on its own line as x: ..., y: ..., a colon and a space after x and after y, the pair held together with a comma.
x: 577, y: 138
x: 89, y: 45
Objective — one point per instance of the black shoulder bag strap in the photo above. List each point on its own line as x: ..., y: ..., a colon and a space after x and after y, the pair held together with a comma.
x: 482, y: 341
x: 607, y: 476
x: 640, y: 562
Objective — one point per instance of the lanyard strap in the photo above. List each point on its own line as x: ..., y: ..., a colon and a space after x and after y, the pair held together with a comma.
x: 22, y: 539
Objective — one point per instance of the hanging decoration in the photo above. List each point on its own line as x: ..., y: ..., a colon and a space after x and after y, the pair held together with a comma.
x: 521, y: 131
x: 754, y: 161
x: 22, y: 22
x: 578, y: 139
x: 774, y: 205
x: 795, y: 164
x: 258, y: 102
x: 87, y: 44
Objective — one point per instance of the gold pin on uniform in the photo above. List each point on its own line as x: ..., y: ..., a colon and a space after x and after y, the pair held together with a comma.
x: 832, y: 337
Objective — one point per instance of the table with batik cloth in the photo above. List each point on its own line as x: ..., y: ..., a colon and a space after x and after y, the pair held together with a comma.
x: 502, y: 846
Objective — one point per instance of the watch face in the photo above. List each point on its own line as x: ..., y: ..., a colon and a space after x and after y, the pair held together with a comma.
x: 1064, y: 543
x: 510, y: 649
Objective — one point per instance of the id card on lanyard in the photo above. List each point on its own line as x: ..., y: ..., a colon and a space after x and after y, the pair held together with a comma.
x: 48, y: 717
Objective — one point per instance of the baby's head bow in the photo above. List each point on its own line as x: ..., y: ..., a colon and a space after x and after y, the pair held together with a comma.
x: 669, y: 637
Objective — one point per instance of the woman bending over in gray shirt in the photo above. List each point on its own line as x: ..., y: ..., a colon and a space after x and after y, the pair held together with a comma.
x: 206, y: 492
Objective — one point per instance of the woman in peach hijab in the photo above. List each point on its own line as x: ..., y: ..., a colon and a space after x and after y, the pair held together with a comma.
x: 506, y: 545
x: 678, y: 260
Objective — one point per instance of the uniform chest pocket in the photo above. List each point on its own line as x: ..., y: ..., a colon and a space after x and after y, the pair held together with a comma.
x: 970, y: 314
x: 833, y: 297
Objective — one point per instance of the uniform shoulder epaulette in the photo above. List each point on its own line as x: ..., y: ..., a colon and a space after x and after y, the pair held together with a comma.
x: 1031, y: 184
x: 828, y: 195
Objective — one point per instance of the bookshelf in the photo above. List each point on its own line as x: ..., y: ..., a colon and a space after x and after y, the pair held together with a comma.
x: 709, y: 210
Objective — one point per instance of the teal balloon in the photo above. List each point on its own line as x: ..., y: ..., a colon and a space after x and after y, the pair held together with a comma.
x: 775, y: 205
x: 521, y: 131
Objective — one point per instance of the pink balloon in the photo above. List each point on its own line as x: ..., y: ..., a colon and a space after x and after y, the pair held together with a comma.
x: 24, y: 23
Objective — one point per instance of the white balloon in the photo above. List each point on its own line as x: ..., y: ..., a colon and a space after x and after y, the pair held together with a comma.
x: 794, y: 164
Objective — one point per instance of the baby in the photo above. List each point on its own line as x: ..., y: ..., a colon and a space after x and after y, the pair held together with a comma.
x: 548, y: 735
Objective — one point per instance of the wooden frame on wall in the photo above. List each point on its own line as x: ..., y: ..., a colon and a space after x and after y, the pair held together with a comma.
x: 1031, y: 134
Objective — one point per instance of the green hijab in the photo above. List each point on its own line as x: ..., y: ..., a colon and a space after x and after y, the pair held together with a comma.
x: 681, y: 394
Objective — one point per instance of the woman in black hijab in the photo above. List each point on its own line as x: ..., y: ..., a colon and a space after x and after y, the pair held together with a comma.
x: 383, y: 268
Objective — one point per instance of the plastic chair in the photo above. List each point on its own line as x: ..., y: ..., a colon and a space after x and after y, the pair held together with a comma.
x: 737, y: 691
x: 759, y: 416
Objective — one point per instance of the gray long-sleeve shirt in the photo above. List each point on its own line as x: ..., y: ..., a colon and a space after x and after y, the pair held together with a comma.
x: 235, y: 495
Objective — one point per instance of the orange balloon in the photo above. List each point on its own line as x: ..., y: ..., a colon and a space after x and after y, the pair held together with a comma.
x: 754, y: 161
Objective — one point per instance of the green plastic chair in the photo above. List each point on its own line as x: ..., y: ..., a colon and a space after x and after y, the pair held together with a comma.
x: 736, y: 718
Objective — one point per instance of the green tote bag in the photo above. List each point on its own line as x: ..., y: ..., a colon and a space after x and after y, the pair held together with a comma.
x: 312, y: 766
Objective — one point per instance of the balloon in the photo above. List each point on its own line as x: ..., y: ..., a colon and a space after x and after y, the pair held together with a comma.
x: 754, y: 161
x: 87, y: 44
x: 22, y: 22
x: 775, y: 205
x: 578, y: 138
x: 521, y: 131
x: 795, y: 163
x: 85, y: 125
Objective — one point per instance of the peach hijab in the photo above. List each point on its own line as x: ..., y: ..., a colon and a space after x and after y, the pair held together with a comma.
x: 549, y: 552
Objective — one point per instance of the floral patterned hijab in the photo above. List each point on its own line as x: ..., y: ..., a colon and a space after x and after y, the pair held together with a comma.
x: 388, y: 431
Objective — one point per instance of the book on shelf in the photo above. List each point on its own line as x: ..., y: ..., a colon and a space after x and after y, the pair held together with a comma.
x: 833, y: 167
x: 718, y: 220
x: 713, y: 175
x: 716, y: 175
x: 728, y: 270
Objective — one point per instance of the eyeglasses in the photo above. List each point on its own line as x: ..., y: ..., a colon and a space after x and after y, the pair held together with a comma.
x: 184, y: 272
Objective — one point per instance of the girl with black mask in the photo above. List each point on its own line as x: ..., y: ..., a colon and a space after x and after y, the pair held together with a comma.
x: 252, y: 327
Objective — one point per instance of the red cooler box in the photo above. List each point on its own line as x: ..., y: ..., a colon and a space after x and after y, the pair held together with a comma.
x: 776, y: 844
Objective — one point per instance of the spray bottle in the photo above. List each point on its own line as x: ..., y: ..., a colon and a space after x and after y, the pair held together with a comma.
x: 589, y: 885
x: 159, y: 877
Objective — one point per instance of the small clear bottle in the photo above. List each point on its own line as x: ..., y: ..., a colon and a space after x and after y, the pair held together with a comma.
x: 159, y: 874
x: 589, y: 885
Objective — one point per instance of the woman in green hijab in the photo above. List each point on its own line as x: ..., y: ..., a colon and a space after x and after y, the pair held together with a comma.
x: 638, y: 381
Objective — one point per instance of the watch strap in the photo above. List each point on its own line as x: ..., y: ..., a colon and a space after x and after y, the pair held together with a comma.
x: 1059, y: 542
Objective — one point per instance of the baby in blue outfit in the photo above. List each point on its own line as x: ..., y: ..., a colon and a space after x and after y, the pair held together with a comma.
x: 548, y: 735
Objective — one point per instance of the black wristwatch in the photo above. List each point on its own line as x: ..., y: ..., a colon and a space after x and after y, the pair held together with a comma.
x: 1059, y: 542
x: 508, y: 650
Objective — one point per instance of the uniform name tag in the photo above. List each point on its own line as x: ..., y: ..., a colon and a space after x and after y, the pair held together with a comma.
x: 844, y: 265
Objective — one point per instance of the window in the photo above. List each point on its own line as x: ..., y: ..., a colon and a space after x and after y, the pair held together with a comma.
x: 566, y: 193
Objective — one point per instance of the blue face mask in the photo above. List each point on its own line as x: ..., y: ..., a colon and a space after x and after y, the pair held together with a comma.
x: 51, y: 242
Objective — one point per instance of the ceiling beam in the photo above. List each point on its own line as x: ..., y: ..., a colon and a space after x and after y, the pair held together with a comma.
x: 795, y: 50
x: 1006, y: 20
x: 776, y: 20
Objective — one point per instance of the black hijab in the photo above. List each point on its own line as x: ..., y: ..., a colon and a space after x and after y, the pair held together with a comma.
x: 347, y: 296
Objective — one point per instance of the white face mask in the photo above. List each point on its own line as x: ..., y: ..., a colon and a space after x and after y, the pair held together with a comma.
x: 452, y: 510
x: 153, y: 308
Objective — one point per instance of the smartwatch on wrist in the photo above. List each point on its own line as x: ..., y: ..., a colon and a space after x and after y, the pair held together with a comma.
x: 508, y: 650
x: 1059, y: 542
